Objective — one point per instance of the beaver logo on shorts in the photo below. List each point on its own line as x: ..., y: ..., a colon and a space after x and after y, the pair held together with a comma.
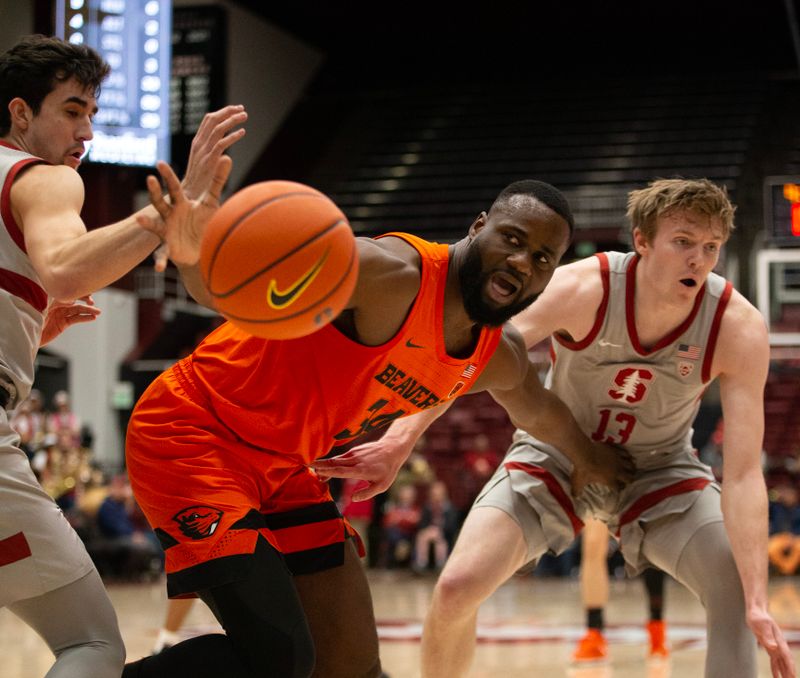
x: 198, y: 522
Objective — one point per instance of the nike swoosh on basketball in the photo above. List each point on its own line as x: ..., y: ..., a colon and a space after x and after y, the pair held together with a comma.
x: 411, y: 344
x: 604, y: 343
x: 282, y: 298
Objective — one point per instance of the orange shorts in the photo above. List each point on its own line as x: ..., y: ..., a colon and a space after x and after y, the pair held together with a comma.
x: 209, y: 496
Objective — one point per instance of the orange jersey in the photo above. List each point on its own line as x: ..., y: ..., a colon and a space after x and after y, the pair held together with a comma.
x: 302, y: 397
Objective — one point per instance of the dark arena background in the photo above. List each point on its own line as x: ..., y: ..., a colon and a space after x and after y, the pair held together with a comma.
x: 412, y: 116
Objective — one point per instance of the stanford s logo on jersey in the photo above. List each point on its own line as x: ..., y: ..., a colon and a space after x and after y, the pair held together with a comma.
x: 198, y: 522
x: 631, y: 383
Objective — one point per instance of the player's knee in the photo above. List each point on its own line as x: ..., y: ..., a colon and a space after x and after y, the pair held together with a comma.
x: 300, y: 660
x: 105, y: 654
x: 278, y: 652
x: 457, y: 592
x: 707, y: 566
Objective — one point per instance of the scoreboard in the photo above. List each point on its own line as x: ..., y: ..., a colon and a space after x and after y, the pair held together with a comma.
x: 134, y: 37
x: 782, y: 210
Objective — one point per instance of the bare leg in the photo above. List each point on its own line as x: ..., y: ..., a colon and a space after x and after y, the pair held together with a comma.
x: 594, y: 566
x: 472, y: 573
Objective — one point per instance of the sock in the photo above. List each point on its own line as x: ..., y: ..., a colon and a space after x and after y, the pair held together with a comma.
x: 594, y: 618
x: 654, y: 583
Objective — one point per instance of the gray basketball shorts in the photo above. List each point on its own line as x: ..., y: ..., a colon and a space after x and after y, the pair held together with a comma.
x: 39, y: 550
x: 532, y: 485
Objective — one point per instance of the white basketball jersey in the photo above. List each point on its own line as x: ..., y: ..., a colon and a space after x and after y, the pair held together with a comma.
x: 644, y: 399
x: 23, y: 300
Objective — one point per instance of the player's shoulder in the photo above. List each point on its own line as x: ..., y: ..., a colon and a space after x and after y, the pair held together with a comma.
x: 506, y: 364
x: 582, y: 274
x: 42, y: 182
x: 386, y: 268
x: 391, y: 260
x: 743, y: 337
x: 391, y: 253
x: 741, y: 318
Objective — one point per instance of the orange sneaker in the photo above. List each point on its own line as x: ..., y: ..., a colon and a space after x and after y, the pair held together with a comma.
x: 657, y: 630
x: 593, y: 647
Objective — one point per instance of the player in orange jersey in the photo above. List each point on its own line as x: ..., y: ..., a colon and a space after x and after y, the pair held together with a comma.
x: 220, y: 447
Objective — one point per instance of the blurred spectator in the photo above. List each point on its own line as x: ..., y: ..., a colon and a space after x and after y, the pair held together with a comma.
x: 132, y: 550
x: 416, y: 470
x: 480, y: 462
x: 437, y: 529
x: 400, y: 521
x: 28, y: 421
x: 63, y: 418
x: 784, y: 526
x: 66, y: 467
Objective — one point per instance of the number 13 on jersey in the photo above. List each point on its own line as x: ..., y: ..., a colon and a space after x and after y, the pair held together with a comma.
x: 614, y: 431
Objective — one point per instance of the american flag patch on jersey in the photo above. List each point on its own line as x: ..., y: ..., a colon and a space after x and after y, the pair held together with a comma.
x: 688, y: 351
x: 469, y: 370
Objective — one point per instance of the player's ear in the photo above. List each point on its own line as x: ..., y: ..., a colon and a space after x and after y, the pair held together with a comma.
x: 20, y: 113
x: 639, y: 241
x: 478, y: 224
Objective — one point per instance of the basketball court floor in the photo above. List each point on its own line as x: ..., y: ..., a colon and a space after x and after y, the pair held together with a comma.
x: 527, y: 628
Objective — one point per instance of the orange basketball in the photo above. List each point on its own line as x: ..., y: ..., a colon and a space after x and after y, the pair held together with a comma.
x: 279, y: 259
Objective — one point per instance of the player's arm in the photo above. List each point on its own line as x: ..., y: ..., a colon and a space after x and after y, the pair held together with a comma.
x: 742, y: 361
x: 388, y: 282
x: 71, y: 262
x: 516, y: 386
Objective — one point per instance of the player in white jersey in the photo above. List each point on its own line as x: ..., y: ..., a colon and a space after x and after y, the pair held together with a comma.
x: 48, y: 261
x: 636, y: 339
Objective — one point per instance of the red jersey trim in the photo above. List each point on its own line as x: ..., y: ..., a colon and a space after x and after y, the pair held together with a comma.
x: 601, y: 311
x: 553, y: 487
x: 652, y: 498
x: 5, y: 200
x: 14, y: 548
x: 630, y: 315
x: 714, y: 333
x: 24, y: 288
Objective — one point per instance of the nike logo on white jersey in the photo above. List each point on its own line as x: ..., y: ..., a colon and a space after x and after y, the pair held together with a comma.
x: 603, y: 343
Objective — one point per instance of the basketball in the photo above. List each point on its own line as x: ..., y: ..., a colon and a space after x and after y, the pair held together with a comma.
x: 279, y: 259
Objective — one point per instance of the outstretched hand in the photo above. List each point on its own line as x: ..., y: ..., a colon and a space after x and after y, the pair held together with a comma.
x: 63, y: 314
x: 771, y: 638
x: 182, y: 220
x: 605, y: 465
x: 376, y: 463
x: 212, y: 139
